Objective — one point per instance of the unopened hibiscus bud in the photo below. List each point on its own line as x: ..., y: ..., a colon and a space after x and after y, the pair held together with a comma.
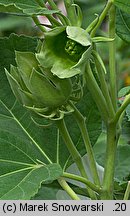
x: 36, y: 88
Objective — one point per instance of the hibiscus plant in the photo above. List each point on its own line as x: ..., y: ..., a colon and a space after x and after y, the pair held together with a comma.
x: 62, y: 112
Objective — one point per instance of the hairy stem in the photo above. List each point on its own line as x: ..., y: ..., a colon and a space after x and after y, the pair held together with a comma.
x: 82, y: 125
x: 94, y: 187
x: 68, y: 189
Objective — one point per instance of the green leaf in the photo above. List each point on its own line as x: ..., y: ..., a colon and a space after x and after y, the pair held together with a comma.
x: 48, y: 191
x: 123, y: 5
x: 10, y: 8
x: 122, y: 165
x: 123, y: 25
x: 29, y: 7
x: 22, y: 143
x: 10, y: 22
x: 124, y: 91
x: 122, y: 168
x: 24, y: 181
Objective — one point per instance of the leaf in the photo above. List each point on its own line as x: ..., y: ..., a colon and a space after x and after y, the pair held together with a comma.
x: 22, y: 143
x: 48, y: 191
x: 122, y: 162
x: 10, y: 8
x: 9, y: 23
x: 29, y: 7
x: 25, y: 181
x: 123, y: 5
x: 124, y: 91
x: 123, y: 25
x: 122, y: 165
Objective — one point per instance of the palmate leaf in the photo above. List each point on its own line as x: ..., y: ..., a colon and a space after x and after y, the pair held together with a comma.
x: 27, y: 7
x: 28, y: 152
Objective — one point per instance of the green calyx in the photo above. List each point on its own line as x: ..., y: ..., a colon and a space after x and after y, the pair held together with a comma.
x: 65, y: 51
x: 37, y: 88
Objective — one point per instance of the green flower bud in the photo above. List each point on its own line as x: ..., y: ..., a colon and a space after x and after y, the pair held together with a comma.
x: 36, y: 88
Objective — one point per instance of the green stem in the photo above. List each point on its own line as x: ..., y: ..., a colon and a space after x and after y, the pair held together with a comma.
x: 108, y: 179
x: 71, y: 13
x: 112, y: 57
x: 127, y: 192
x: 104, y: 87
x: 68, y: 189
x: 102, y: 16
x: 50, y: 17
x: 73, y: 151
x: 61, y: 17
x: 94, y: 187
x: 53, y: 21
x: 82, y: 125
x: 96, y: 93
x: 122, y: 109
x: 37, y: 22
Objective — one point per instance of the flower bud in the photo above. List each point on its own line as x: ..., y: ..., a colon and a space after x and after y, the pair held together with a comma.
x: 36, y: 88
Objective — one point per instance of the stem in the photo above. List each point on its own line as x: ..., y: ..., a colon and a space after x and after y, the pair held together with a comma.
x: 112, y: 57
x: 82, y: 125
x: 71, y: 13
x: 50, y: 17
x: 37, y: 22
x: 96, y: 93
x: 68, y: 189
x: 100, y: 69
x: 73, y: 151
x: 122, y: 108
x: 61, y: 17
x: 110, y: 162
x: 94, y: 187
x: 102, y: 16
x: 53, y: 21
x: 127, y: 192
